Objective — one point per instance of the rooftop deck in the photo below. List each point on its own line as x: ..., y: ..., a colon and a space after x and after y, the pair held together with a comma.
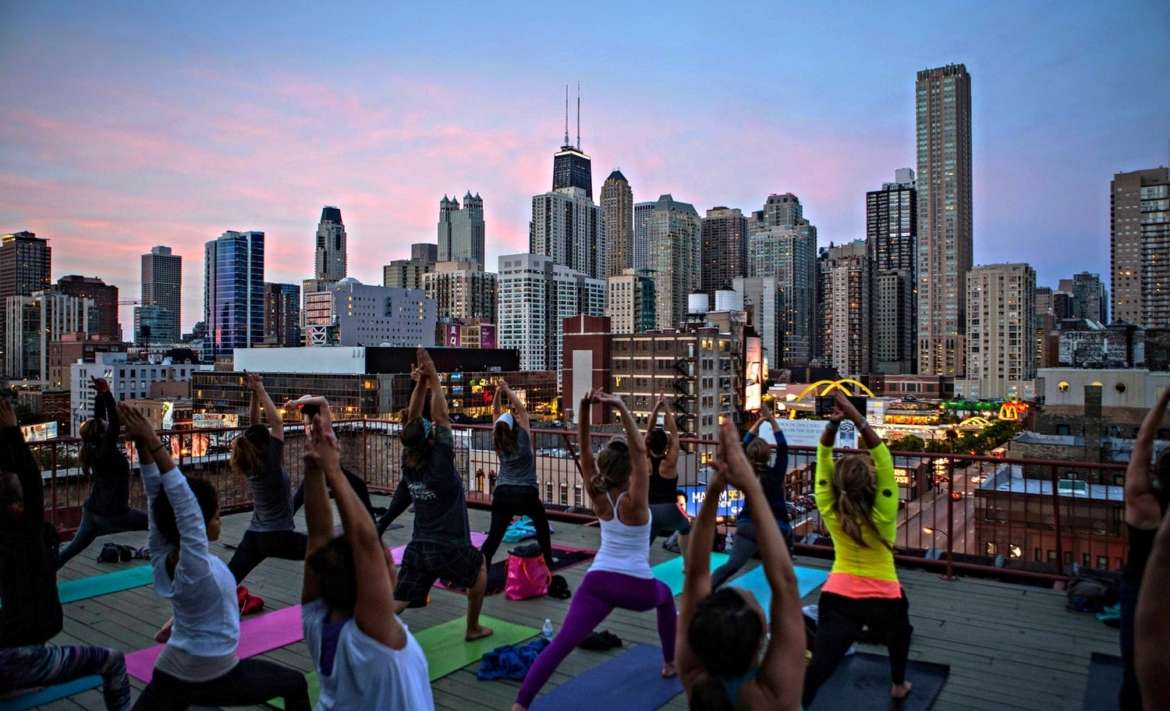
x: 1008, y: 646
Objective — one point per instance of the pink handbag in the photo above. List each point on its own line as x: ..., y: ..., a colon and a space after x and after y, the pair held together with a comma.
x: 527, y: 577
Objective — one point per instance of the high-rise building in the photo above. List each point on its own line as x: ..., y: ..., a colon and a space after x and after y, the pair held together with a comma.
x: 891, y: 234
x: 845, y: 321
x: 354, y: 314
x: 630, y: 302
x: 1090, y: 299
x: 642, y: 212
x: 943, y: 109
x: 1001, y: 345
x: 282, y: 315
x: 105, y: 302
x: 461, y: 290
x: 782, y: 244
x: 25, y: 262
x: 568, y: 227
x: 408, y: 273
x: 724, y: 249
x: 535, y: 296
x: 233, y: 292
x: 36, y: 320
x: 617, y: 211
x: 331, y: 260
x: 162, y: 289
x: 673, y: 242
x: 153, y: 325
x: 762, y: 297
x: 1044, y: 325
x: 572, y: 168
x: 1139, y: 231
x: 461, y: 230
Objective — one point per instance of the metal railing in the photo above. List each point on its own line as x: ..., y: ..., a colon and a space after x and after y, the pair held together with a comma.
x: 1013, y: 518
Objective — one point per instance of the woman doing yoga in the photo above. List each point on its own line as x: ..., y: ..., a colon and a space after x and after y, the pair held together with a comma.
x: 663, y: 446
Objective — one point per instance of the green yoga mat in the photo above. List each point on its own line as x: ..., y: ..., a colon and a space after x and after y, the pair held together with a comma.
x: 98, y: 585
x: 671, y: 571
x: 445, y: 649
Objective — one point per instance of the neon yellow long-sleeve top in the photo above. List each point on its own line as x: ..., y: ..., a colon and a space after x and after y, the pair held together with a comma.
x: 861, y: 571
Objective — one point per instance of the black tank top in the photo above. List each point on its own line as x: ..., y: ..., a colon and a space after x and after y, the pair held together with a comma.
x: 662, y: 491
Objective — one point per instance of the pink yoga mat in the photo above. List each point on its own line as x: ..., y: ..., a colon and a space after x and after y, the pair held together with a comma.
x: 477, y: 539
x: 258, y: 635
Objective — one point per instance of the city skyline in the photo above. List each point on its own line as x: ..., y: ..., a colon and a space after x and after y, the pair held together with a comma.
x: 109, y: 148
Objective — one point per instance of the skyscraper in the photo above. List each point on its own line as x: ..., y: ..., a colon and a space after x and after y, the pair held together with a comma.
x: 569, y: 228
x: 571, y: 167
x: 642, y: 212
x: 1089, y: 297
x: 36, y: 320
x: 724, y: 248
x: 408, y: 273
x: 845, y: 324
x: 943, y: 109
x: 763, y: 297
x: 1001, y: 344
x: 105, y: 302
x: 630, y: 302
x: 461, y: 290
x: 617, y: 210
x: 891, y: 234
x: 331, y: 260
x: 162, y: 288
x: 282, y: 315
x: 25, y: 262
x: 782, y: 244
x: 673, y: 243
x: 1139, y: 231
x: 461, y: 230
x: 233, y: 292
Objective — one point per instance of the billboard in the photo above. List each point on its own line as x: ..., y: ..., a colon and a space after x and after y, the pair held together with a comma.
x: 807, y: 433
x: 487, y: 336
x: 452, y: 335
x: 168, y: 415
x: 753, y: 382
x: 731, y: 501
x: 214, y: 420
x: 40, y: 432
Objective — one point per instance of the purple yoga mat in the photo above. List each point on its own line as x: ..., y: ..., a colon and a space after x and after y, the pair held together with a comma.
x: 258, y: 635
x: 477, y: 539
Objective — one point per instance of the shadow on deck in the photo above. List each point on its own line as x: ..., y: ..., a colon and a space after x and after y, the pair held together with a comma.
x: 1008, y: 646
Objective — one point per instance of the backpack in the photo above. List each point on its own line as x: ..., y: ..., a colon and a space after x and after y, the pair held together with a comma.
x: 1091, y: 593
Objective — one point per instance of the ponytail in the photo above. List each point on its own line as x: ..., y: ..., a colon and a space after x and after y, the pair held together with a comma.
x: 709, y: 694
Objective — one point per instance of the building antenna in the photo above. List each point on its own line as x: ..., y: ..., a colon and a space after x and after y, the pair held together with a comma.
x: 566, y: 114
x: 578, y: 114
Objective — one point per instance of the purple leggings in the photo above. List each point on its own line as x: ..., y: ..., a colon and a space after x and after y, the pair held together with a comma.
x: 599, y: 593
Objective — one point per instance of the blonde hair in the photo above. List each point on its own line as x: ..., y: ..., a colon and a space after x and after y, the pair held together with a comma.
x: 246, y: 457
x: 613, y: 465
x: 854, y: 487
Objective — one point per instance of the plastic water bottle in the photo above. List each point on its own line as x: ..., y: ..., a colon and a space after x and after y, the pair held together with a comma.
x: 546, y: 630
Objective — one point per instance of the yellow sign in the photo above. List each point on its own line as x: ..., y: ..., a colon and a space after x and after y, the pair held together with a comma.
x: 828, y: 386
x: 1013, y: 411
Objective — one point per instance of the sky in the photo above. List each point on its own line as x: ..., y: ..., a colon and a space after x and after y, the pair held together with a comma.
x: 128, y: 125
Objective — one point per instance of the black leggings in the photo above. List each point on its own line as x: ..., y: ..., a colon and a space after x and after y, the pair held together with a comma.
x: 251, y: 682
x: 258, y: 545
x: 839, y: 622
x: 508, y: 501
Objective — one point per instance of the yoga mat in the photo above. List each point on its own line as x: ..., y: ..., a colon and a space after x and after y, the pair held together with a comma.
x: 49, y: 694
x: 477, y: 539
x: 1104, y: 682
x: 862, y: 681
x: 98, y: 585
x: 258, y: 635
x: 755, y: 580
x: 631, y: 680
x: 563, y: 557
x: 447, y: 652
x: 314, y: 692
x: 671, y: 571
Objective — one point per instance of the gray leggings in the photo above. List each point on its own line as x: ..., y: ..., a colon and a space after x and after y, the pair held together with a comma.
x: 742, y: 549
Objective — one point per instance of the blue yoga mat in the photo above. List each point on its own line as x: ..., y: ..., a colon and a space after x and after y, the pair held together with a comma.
x: 807, y: 580
x: 49, y: 694
x: 671, y: 571
x: 98, y: 585
x: 631, y: 680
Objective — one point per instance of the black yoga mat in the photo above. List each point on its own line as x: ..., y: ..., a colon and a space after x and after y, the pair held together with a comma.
x: 862, y: 681
x: 1104, y: 682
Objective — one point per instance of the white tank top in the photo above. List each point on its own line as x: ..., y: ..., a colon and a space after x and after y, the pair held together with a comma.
x: 624, y: 549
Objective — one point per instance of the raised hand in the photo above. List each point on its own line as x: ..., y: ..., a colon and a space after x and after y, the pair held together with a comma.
x: 321, y: 450
x: 846, y: 407
x: 425, y: 363
x: 137, y: 428
x: 733, y: 463
x: 253, y: 382
x: 7, y: 414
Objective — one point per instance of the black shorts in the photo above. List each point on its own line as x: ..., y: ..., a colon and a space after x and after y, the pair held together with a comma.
x: 666, y: 518
x: 423, y: 563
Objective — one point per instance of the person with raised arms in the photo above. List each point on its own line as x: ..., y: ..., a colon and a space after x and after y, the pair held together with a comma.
x: 364, y: 655
x: 730, y: 656
x: 662, y: 445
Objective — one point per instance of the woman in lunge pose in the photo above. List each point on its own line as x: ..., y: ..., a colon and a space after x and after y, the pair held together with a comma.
x: 365, y: 656
x: 516, y: 493
x: 107, y: 510
x: 665, y: 516
x: 724, y: 632
x: 772, y: 481
x: 620, y: 575
x: 198, y: 665
x: 860, y: 509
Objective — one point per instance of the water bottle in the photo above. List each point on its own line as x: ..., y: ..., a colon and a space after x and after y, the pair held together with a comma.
x: 546, y: 630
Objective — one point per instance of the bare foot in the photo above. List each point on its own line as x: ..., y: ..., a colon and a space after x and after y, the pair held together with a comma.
x: 518, y: 707
x: 669, y: 670
x: 479, y: 632
x: 900, y: 691
x: 164, y: 632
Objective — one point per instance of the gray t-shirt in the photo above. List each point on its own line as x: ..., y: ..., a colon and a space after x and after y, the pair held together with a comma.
x: 271, y: 493
x: 519, y: 467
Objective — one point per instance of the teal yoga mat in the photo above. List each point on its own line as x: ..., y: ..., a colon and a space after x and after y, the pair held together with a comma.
x: 671, y: 571
x: 807, y: 580
x: 98, y: 585
x: 49, y: 694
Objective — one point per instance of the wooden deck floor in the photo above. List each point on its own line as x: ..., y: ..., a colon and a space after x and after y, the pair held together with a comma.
x: 1008, y: 646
